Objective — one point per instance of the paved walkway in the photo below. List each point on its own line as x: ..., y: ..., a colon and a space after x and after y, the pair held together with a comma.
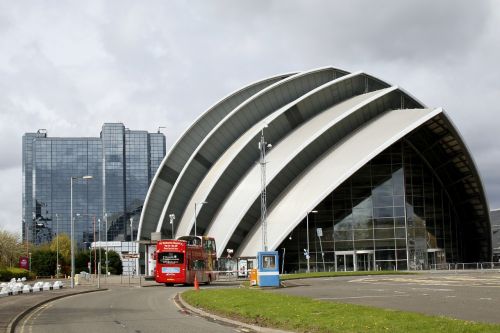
x: 115, y: 280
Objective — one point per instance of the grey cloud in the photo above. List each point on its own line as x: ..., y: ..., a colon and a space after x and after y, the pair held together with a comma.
x: 71, y: 66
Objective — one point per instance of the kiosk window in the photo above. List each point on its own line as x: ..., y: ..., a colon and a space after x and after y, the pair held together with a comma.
x: 269, y: 262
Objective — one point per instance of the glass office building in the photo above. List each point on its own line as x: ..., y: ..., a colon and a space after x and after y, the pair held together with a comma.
x: 122, y: 163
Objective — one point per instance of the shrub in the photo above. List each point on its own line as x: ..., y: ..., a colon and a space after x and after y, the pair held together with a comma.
x: 6, y: 274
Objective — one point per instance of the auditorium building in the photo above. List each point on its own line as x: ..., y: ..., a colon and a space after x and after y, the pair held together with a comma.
x: 358, y: 175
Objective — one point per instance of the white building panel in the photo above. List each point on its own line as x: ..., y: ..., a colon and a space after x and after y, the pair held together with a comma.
x: 336, y: 166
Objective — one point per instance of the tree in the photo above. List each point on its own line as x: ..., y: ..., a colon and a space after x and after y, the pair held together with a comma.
x: 43, y: 262
x: 11, y: 248
x: 64, y: 246
x: 83, y: 258
x: 114, y: 262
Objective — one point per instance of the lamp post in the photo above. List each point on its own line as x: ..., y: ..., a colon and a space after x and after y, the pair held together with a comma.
x: 99, y: 263
x: 263, y: 146
x: 27, y: 239
x: 106, y: 254
x: 57, y: 246
x: 195, y: 213
x: 307, y: 231
x: 172, y: 218
x: 134, y: 271
x: 72, y: 229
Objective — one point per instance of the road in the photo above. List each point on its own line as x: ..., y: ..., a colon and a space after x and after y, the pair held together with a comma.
x: 466, y: 295
x: 120, y: 309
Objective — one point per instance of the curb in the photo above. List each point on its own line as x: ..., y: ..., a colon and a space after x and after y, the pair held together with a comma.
x: 178, y: 298
x: 11, y: 328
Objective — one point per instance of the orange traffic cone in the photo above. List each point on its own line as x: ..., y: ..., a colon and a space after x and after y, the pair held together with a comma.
x: 196, y: 285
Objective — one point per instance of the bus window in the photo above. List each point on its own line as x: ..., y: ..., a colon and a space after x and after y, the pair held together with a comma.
x: 170, y: 258
x: 209, y: 245
x: 197, y: 264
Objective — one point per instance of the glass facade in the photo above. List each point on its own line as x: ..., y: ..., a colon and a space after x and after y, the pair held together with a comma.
x: 392, y: 214
x: 495, y: 230
x: 122, y: 166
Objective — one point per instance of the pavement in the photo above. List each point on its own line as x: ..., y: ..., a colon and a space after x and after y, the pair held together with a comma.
x: 121, y: 309
x: 12, y: 308
x: 144, y: 306
x: 467, y: 295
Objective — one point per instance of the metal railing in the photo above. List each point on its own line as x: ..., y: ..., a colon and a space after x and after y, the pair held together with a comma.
x: 466, y: 266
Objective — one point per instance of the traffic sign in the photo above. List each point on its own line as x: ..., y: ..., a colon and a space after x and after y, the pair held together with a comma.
x: 130, y: 255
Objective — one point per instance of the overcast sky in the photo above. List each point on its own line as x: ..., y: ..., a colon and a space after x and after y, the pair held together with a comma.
x: 70, y: 66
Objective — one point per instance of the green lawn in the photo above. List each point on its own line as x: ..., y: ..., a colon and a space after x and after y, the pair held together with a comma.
x: 302, y: 314
x: 333, y: 274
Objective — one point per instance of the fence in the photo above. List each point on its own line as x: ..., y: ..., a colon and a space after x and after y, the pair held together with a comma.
x: 466, y: 266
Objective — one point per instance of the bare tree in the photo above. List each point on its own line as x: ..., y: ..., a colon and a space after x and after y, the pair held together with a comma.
x: 11, y: 248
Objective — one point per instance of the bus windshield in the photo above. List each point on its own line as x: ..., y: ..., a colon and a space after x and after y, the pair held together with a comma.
x: 171, y: 258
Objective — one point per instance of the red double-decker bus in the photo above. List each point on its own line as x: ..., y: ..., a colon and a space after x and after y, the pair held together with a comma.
x: 178, y: 261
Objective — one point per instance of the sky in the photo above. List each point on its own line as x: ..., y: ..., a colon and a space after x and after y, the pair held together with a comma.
x: 70, y: 66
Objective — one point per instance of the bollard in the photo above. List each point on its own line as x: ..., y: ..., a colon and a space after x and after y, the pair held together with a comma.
x: 196, y: 285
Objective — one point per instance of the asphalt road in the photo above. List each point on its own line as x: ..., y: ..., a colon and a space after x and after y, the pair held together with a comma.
x: 120, y: 309
x: 471, y: 296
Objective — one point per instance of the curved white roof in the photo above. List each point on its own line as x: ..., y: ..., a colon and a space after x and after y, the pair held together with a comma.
x: 177, y: 156
x: 337, y: 164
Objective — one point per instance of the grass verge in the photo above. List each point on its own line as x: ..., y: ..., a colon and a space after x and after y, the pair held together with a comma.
x: 303, y: 314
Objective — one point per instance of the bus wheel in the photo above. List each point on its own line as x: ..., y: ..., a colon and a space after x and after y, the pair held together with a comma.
x: 209, y: 279
x: 169, y: 284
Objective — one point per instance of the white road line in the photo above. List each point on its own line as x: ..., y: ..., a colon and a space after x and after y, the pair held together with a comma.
x: 25, y: 321
x: 355, y: 297
x: 485, y: 298
x: 432, y: 289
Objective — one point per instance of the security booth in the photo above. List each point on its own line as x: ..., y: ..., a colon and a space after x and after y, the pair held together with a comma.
x: 268, y: 274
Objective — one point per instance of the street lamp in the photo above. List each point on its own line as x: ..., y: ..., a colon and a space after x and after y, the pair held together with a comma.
x: 57, y: 246
x: 307, y: 231
x: 263, y: 147
x: 72, y: 229
x: 172, y: 218
x: 106, y: 226
x: 195, y: 213
x: 132, y: 243
x: 99, y: 263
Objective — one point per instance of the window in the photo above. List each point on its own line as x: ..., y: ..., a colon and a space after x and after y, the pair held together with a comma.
x: 269, y: 262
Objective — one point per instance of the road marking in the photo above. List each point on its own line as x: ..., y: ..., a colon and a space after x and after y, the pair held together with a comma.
x: 354, y: 297
x: 486, y: 298
x: 446, y: 280
x: 25, y: 321
x: 432, y: 289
